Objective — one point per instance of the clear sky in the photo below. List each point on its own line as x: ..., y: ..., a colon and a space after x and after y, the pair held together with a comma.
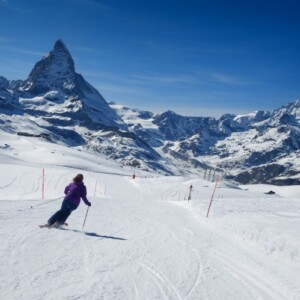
x: 193, y: 57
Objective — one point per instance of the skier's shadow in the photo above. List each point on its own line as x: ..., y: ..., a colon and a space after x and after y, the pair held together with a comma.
x: 104, y: 236
x: 93, y: 234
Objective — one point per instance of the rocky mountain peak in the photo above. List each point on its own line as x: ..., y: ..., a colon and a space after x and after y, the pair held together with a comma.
x: 54, y: 86
x: 60, y: 46
x: 287, y: 114
x: 54, y: 70
x: 294, y: 109
x: 3, y: 82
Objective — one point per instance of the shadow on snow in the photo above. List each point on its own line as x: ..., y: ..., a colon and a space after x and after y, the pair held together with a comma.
x: 93, y: 234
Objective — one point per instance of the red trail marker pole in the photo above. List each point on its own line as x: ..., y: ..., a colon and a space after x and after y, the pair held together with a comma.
x: 212, y: 196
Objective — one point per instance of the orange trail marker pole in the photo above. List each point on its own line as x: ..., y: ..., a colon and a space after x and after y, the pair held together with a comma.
x: 212, y: 196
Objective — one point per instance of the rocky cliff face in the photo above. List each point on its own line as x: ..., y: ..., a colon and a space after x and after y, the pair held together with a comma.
x: 54, y: 90
x: 55, y: 70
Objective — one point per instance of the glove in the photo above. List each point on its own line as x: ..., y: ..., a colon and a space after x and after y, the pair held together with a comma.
x: 89, y: 204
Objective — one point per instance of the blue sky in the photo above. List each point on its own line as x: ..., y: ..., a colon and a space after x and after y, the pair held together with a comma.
x: 193, y: 57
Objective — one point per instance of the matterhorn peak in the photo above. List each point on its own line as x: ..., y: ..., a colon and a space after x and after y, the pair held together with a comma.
x: 59, y: 45
x: 53, y: 85
x: 55, y: 70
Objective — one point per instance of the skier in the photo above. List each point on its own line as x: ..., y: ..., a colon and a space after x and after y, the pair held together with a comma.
x: 74, y: 191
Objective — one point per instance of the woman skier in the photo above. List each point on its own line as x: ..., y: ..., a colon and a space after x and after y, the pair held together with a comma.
x: 74, y: 191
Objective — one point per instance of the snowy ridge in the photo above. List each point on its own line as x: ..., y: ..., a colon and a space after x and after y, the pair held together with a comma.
x: 251, y: 148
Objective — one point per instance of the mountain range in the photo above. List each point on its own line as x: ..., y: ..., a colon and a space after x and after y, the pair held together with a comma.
x: 57, y: 103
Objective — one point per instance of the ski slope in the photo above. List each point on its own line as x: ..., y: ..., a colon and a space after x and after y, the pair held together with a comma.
x: 141, y: 240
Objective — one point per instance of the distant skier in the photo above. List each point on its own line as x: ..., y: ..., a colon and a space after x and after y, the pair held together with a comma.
x: 74, y: 191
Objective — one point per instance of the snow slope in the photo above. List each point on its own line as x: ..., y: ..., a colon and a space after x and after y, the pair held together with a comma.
x: 142, y: 240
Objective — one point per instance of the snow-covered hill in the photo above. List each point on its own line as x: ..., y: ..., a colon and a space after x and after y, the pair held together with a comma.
x: 141, y: 239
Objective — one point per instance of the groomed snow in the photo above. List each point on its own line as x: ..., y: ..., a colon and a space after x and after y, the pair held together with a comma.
x: 141, y: 240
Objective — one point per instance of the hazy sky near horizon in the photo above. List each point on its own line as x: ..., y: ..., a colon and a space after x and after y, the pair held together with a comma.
x: 193, y: 57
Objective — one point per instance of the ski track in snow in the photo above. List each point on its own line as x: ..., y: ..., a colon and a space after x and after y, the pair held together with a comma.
x: 137, y: 244
x: 9, y: 183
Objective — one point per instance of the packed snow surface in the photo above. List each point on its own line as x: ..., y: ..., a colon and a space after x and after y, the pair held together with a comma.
x: 141, y: 239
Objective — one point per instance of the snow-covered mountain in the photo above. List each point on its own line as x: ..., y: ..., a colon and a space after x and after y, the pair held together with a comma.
x: 54, y: 90
x: 258, y: 147
x: 58, y: 103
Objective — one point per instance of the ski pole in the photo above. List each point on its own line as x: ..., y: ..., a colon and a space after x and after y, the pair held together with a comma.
x: 85, y: 217
x: 46, y: 202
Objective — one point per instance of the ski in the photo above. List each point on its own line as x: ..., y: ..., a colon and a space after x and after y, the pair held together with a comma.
x: 53, y: 226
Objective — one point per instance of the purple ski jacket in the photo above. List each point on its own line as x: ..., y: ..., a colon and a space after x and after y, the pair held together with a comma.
x: 75, y: 191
